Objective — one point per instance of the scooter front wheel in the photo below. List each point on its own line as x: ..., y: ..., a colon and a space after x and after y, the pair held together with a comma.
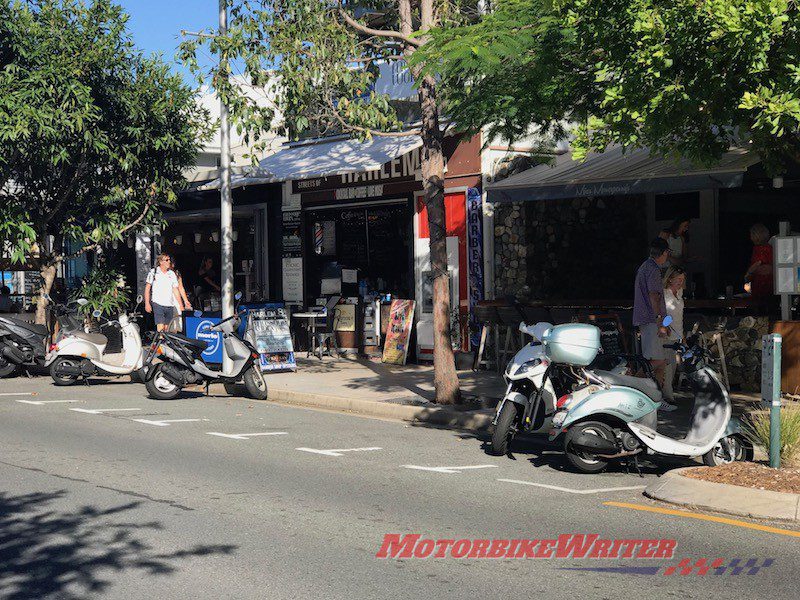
x: 57, y: 370
x: 581, y: 460
x: 159, y: 387
x: 503, y: 433
x: 7, y: 369
x: 719, y: 456
x: 255, y: 383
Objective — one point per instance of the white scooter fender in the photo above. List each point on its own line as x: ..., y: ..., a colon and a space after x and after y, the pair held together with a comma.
x: 75, y: 346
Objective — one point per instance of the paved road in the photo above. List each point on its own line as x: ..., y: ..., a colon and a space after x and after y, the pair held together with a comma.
x: 146, y: 503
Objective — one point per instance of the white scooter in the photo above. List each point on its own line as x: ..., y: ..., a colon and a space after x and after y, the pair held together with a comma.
x: 78, y: 355
x: 615, y: 416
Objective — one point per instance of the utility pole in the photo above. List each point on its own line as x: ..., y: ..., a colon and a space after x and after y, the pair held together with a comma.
x: 225, y: 199
x: 226, y: 202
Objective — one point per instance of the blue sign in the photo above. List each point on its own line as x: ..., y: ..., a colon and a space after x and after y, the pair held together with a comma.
x: 475, y: 258
x: 197, y: 328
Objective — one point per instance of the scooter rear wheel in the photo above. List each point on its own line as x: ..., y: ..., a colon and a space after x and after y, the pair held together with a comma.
x: 159, y: 387
x: 60, y: 378
x: 584, y: 462
x: 503, y: 433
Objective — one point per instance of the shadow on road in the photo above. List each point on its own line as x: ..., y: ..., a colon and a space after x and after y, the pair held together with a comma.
x: 48, y: 553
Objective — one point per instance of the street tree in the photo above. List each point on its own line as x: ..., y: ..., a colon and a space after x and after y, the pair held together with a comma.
x: 94, y: 136
x: 321, y: 58
x: 685, y: 78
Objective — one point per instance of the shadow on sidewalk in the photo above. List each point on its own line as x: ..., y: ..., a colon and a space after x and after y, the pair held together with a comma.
x: 48, y: 553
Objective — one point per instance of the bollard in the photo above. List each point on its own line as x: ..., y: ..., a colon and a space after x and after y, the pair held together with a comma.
x: 771, y: 392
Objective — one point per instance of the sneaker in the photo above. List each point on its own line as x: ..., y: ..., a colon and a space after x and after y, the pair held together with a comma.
x: 667, y: 407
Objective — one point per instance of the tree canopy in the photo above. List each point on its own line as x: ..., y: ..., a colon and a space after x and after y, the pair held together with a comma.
x: 682, y: 77
x: 94, y: 136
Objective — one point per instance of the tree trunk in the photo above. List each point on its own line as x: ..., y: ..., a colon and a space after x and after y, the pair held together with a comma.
x: 445, y: 380
x: 47, y: 273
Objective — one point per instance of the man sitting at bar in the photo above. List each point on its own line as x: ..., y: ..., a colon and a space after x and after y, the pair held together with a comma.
x: 649, y: 307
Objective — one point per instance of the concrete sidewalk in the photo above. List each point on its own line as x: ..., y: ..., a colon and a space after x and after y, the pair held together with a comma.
x: 387, y: 391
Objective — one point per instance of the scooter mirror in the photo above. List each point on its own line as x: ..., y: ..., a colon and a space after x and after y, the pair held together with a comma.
x: 523, y: 328
x: 667, y: 321
x: 47, y: 297
x: 198, y: 313
x: 96, y: 314
x: 238, y: 296
x: 539, y: 330
x: 139, y: 299
x: 82, y: 301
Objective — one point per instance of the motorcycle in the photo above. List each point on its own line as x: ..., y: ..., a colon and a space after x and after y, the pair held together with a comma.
x: 182, y: 362
x: 534, y: 383
x: 79, y: 355
x: 615, y: 416
x: 25, y: 345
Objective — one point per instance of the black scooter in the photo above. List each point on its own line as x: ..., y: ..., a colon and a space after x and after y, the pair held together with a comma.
x: 24, y: 345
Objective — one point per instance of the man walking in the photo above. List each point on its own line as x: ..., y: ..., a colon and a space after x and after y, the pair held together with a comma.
x: 649, y: 309
x: 161, y: 293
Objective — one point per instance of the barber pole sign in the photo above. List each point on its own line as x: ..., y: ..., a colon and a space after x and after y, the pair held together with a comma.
x: 474, y: 259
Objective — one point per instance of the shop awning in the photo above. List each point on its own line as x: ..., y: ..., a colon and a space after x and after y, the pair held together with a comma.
x: 306, y: 160
x: 616, y: 173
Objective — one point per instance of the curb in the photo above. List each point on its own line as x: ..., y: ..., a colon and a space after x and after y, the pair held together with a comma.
x: 674, y: 488
x: 430, y: 415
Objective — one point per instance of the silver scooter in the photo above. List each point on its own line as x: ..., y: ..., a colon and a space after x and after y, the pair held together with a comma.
x: 182, y: 362
x: 615, y: 416
x: 79, y: 355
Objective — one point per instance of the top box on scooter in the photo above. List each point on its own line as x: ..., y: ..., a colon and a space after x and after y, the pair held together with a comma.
x: 572, y: 344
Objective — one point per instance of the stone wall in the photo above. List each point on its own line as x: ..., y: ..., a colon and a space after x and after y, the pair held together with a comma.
x: 582, y: 248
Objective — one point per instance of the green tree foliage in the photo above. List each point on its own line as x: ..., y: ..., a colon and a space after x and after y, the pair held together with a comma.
x: 94, y: 136
x: 683, y: 77
x: 319, y: 60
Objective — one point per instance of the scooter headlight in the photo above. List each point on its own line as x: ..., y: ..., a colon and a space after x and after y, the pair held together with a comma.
x: 528, y: 365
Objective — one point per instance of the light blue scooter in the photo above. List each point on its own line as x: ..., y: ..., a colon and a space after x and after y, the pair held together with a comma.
x: 616, y: 417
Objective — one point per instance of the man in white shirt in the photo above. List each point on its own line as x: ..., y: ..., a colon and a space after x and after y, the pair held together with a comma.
x: 161, y: 294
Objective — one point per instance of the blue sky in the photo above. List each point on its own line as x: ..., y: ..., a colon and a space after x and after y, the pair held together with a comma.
x: 156, y: 24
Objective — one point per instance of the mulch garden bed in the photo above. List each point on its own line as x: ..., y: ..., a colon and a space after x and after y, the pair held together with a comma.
x: 751, y: 475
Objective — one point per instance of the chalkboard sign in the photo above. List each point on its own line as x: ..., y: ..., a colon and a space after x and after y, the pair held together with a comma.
x: 268, y: 331
x: 352, y: 240
x: 612, y: 338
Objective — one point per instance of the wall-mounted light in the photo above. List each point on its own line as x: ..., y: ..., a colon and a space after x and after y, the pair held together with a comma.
x: 178, y: 240
x: 115, y: 244
x: 198, y: 237
x: 215, y: 236
x: 777, y: 182
x: 235, y: 235
x: 131, y: 242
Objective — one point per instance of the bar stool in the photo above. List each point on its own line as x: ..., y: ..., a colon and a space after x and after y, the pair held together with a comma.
x: 486, y: 315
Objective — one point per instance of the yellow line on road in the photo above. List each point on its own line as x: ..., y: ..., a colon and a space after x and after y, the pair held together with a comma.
x: 691, y: 515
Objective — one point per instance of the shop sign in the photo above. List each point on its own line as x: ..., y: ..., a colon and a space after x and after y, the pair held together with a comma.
x: 398, y: 332
x: 345, y: 317
x: 475, y: 258
x: 292, y: 242
x: 364, y: 191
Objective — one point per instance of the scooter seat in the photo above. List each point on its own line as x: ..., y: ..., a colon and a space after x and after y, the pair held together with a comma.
x: 199, y: 344
x: 39, y: 330
x: 644, y: 384
x: 97, y: 339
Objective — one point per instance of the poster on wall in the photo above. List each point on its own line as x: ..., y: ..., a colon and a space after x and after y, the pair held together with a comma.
x: 292, y: 279
x: 398, y: 332
x: 268, y: 331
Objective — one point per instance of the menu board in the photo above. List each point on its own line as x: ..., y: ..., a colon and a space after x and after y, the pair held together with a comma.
x: 398, y: 332
x: 352, y: 241
x: 269, y: 332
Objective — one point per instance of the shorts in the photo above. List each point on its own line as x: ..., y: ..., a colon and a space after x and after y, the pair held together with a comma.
x: 652, y: 343
x: 163, y: 315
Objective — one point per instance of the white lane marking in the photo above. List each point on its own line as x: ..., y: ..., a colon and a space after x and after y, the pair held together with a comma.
x: 572, y: 491
x: 449, y: 469
x: 337, y: 451
x: 41, y: 402
x: 166, y: 422
x: 245, y: 436
x: 100, y: 411
x: 19, y: 394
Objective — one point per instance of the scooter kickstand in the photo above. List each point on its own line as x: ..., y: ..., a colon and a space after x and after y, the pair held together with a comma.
x: 207, y: 384
x: 636, y: 464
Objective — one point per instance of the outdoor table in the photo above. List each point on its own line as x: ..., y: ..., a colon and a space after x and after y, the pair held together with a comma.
x: 311, y: 326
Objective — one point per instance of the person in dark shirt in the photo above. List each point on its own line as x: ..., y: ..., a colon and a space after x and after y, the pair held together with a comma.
x: 208, y: 276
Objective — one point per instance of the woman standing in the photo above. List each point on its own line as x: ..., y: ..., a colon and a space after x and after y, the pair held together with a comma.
x: 677, y: 236
x: 674, y: 283
x: 758, y: 277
